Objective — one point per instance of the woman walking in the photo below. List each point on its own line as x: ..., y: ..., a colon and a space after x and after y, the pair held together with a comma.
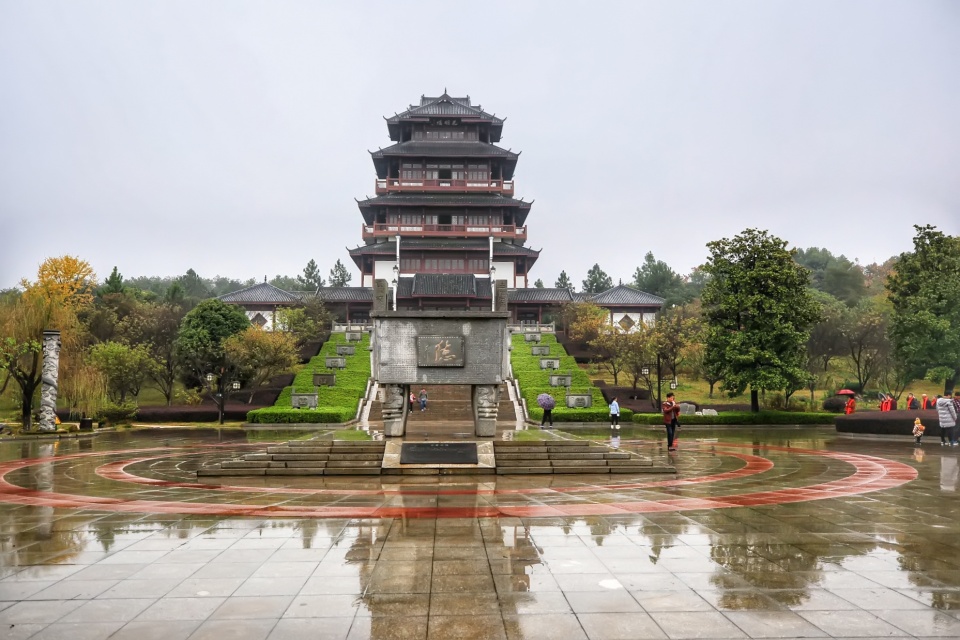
x: 614, y: 414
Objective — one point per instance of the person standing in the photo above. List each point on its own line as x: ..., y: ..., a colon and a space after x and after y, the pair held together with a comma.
x: 912, y: 403
x: 614, y: 414
x: 851, y: 406
x: 956, y: 410
x: 924, y: 403
x: 547, y: 417
x: 671, y: 411
x: 413, y: 401
x: 423, y: 399
x: 947, y: 414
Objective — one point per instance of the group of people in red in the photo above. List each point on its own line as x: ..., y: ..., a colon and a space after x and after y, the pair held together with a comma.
x: 914, y: 404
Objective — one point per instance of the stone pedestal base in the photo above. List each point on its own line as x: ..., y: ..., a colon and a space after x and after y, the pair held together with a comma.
x: 486, y: 403
x: 394, y: 410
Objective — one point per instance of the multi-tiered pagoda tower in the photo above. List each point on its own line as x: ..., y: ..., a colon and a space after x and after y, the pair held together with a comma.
x: 444, y: 218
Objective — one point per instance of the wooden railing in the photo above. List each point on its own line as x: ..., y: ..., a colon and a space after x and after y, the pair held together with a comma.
x: 400, y: 185
x: 444, y: 230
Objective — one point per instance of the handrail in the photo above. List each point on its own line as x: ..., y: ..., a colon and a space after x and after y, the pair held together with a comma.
x: 386, y: 185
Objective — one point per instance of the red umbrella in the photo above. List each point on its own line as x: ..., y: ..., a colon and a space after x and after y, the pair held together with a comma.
x: 846, y: 392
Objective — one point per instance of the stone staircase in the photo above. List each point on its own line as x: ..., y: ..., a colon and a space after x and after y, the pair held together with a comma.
x: 567, y: 456
x: 306, y: 458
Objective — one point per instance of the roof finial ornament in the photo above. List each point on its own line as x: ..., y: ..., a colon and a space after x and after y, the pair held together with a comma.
x: 264, y: 279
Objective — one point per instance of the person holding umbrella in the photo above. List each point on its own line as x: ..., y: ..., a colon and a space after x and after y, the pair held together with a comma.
x: 851, y: 405
x: 547, y: 403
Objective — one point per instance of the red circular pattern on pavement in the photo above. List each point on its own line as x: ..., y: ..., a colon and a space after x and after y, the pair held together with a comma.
x: 870, y: 473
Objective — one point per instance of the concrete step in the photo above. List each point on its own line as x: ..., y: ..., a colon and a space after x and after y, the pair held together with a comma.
x: 298, y: 450
x: 577, y: 456
x: 578, y: 463
x: 288, y: 457
x: 629, y: 463
x: 353, y: 464
x: 306, y: 465
x: 630, y: 469
x: 581, y: 469
x: 522, y: 470
x: 523, y: 456
x: 525, y: 462
x: 340, y: 457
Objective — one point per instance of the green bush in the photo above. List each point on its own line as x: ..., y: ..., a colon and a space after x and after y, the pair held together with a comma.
x: 113, y: 413
x: 742, y: 418
x: 534, y: 381
x: 289, y: 415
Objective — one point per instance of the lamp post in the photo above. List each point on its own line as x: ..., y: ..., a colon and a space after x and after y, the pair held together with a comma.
x: 395, y: 283
x: 645, y: 370
x: 222, y: 392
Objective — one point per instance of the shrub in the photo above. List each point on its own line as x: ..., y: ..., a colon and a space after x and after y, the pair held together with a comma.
x: 834, y: 404
x: 289, y: 415
x: 743, y: 418
x: 113, y: 413
x: 189, y: 397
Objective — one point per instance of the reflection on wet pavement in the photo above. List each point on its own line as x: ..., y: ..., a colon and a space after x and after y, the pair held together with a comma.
x: 778, y: 535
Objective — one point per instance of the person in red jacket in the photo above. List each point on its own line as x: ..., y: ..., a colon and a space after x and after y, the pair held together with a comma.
x: 851, y: 406
x: 925, y: 403
x: 671, y: 411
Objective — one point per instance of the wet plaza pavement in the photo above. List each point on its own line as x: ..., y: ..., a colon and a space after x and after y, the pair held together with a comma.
x: 762, y: 534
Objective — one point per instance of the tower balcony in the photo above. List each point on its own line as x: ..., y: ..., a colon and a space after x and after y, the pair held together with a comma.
x: 389, y: 230
x: 417, y: 185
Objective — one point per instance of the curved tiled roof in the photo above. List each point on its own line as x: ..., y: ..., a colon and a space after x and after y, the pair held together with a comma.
x: 445, y: 105
x: 534, y: 294
x: 446, y: 149
x: 261, y: 293
x: 345, y: 294
x: 624, y: 295
x: 445, y: 199
x: 454, y: 244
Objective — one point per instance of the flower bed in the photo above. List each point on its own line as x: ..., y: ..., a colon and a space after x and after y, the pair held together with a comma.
x: 334, y: 404
x: 534, y: 381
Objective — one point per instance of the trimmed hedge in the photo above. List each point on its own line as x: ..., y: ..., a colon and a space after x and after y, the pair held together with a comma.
x: 534, y: 381
x: 334, y: 404
x: 743, y: 418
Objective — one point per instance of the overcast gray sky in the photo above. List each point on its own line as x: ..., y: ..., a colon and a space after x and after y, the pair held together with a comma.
x: 231, y: 137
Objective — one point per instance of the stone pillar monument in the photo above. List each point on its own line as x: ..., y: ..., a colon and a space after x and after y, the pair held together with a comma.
x: 394, y: 409
x: 486, y: 403
x: 49, y: 374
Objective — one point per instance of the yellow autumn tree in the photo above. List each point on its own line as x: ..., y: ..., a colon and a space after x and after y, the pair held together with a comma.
x: 65, y: 279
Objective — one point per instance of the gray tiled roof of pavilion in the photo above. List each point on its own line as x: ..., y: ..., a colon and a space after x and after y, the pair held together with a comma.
x: 345, y: 294
x: 443, y: 285
x: 445, y: 200
x: 446, y: 105
x: 626, y: 296
x: 444, y: 244
x: 262, y: 293
x: 542, y: 295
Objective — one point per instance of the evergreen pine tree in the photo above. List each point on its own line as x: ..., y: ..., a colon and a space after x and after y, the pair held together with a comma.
x: 339, y: 276
x: 597, y: 280
x: 538, y: 284
x: 563, y: 282
x: 311, y: 276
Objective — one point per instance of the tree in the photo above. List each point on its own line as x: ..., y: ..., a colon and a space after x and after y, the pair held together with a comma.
x: 339, y: 275
x: 597, y: 280
x: 199, y: 344
x: 864, y: 331
x: 311, y: 279
x: 925, y: 293
x: 309, y: 322
x: 156, y: 325
x: 758, y: 312
x: 287, y: 283
x: 113, y: 284
x: 563, y: 282
x: 656, y: 277
x: 200, y: 351
x: 194, y: 288
x: 612, y: 348
x: 125, y: 367
x: 259, y: 355
x: 832, y: 274
x: 585, y: 321
x: 67, y: 279
x: 826, y: 340
x: 538, y: 284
